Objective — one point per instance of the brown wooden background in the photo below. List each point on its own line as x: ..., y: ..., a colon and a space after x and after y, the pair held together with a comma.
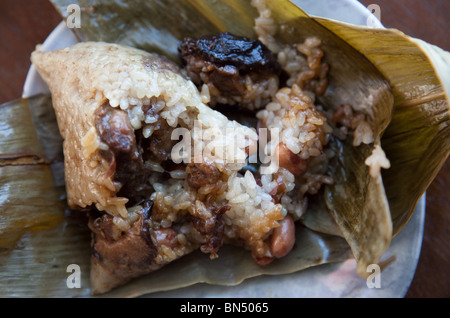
x: 25, y: 23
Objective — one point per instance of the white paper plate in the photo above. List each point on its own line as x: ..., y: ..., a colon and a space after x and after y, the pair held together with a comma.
x: 329, y: 280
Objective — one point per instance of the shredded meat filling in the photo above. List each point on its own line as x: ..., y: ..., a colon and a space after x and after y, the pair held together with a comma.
x: 201, y: 174
x: 212, y: 229
x: 161, y: 143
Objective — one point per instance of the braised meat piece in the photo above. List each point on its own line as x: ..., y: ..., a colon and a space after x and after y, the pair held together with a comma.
x: 224, y: 49
x: 124, y: 153
x: 236, y: 70
x: 124, y: 253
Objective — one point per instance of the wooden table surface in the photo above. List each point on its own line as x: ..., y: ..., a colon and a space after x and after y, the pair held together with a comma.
x: 25, y: 23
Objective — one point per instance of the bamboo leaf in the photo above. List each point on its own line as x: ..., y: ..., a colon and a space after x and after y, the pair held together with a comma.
x: 417, y: 141
x: 29, y: 198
